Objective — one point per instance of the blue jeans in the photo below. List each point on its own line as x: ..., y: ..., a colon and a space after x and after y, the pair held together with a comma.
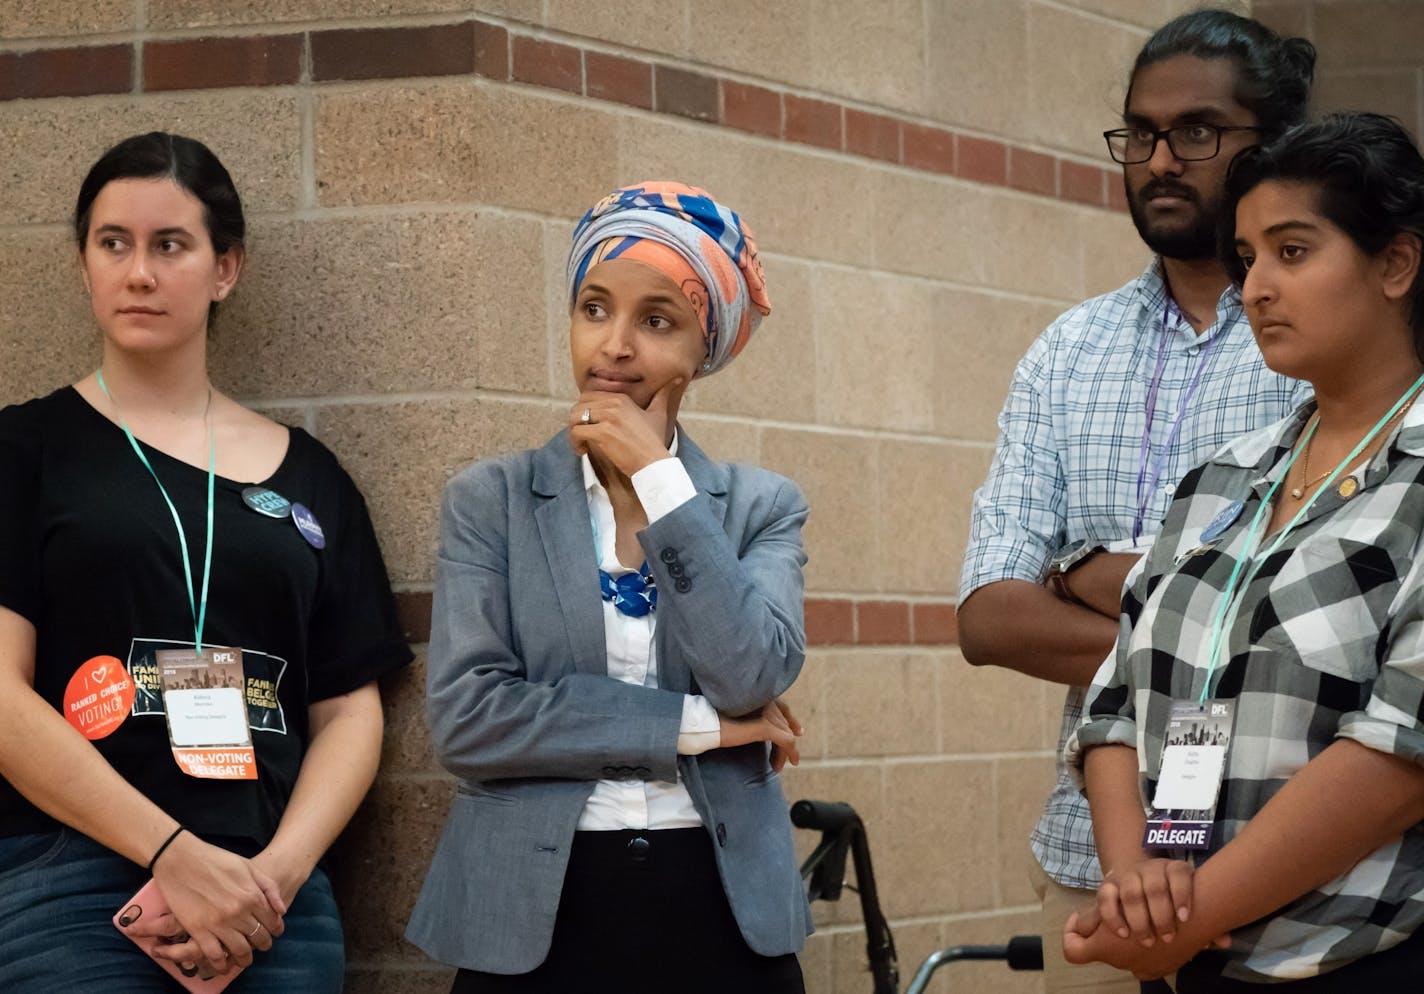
x: 58, y: 894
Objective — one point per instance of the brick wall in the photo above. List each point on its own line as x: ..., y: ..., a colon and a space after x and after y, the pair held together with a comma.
x: 929, y: 187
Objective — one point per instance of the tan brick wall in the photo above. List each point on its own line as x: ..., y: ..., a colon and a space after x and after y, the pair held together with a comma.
x: 1371, y: 53
x: 927, y: 180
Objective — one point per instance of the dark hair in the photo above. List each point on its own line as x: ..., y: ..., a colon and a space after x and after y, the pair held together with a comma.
x: 1369, y: 182
x: 1273, y: 74
x: 187, y: 162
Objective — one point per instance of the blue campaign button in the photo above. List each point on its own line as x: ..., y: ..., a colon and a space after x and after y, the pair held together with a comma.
x: 265, y: 501
x: 1224, y: 519
x: 309, y: 527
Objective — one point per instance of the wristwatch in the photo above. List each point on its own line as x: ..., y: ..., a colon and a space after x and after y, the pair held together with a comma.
x: 1064, y: 561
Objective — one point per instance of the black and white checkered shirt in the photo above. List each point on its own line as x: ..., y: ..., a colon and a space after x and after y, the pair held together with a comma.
x: 1328, y: 643
x: 1067, y: 460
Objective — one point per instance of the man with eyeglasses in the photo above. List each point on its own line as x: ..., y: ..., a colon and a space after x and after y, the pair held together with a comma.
x: 1116, y: 401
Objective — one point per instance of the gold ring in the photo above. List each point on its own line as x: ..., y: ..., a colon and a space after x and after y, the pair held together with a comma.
x: 255, y: 929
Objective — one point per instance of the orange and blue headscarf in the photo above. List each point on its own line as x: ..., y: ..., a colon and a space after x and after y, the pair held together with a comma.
x: 704, y: 247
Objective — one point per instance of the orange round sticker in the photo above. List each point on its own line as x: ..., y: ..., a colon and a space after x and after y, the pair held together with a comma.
x: 99, y: 697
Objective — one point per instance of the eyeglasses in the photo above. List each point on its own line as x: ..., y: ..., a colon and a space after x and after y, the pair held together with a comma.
x: 1188, y: 142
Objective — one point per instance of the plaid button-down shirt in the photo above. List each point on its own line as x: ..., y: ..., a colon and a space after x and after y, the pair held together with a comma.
x: 1328, y: 643
x: 1068, y: 457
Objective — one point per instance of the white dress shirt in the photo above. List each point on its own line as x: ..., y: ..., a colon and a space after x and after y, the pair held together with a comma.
x: 662, y: 487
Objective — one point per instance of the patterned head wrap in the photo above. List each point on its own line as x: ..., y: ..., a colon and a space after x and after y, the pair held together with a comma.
x: 700, y: 245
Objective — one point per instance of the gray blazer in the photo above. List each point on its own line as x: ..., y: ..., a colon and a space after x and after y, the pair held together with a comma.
x: 523, y: 712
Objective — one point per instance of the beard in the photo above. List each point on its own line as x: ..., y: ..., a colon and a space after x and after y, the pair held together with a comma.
x: 1189, y: 238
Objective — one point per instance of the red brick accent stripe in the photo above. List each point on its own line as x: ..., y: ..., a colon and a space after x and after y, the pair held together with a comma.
x: 874, y: 136
x: 491, y: 51
x: 829, y: 620
x: 813, y: 122
x: 751, y: 108
x: 1033, y: 172
x: 879, y: 621
x: 689, y: 94
x: 206, y: 63
x: 547, y: 63
x: 384, y: 53
x: 473, y: 46
x: 619, y: 80
x: 66, y: 72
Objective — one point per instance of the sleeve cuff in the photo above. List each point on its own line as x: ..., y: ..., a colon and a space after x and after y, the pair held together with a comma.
x: 1391, y: 733
x: 1095, y: 732
x: 701, y: 728
x: 663, y: 487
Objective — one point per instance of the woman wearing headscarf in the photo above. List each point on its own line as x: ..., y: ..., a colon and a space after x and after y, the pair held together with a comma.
x: 615, y: 615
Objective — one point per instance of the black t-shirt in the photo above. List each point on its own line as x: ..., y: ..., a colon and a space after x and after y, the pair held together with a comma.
x: 90, y: 556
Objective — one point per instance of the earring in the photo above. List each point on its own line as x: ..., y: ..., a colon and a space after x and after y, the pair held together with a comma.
x: 707, y: 366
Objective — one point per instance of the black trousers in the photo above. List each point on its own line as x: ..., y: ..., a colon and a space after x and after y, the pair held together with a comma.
x: 644, y: 913
x: 1400, y: 968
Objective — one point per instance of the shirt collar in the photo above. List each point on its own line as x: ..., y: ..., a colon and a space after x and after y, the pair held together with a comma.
x: 590, y: 476
x: 1151, y: 290
x: 1254, y: 448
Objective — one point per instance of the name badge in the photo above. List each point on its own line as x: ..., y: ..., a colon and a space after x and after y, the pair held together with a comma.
x: 205, y: 702
x: 1189, y: 779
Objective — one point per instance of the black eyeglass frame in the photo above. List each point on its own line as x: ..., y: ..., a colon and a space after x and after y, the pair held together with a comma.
x: 1166, y: 134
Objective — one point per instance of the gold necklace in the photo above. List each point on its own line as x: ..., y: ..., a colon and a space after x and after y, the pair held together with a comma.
x: 1298, y: 492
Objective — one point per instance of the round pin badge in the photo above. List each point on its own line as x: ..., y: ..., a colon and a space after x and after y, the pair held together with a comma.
x: 266, y: 502
x: 99, y: 697
x: 1224, y: 519
x: 309, y: 527
x: 1347, y: 487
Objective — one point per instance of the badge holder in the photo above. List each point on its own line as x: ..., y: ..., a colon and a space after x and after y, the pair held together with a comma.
x: 1194, y: 751
x: 205, y: 702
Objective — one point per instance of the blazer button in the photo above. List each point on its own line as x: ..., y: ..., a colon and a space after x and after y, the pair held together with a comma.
x: 639, y: 849
x: 721, y: 834
x: 683, y: 585
x: 668, y: 555
x: 675, y: 569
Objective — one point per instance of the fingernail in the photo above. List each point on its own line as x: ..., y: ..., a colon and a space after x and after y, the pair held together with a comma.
x: 1148, y: 942
x: 1167, y: 937
x: 1181, y: 914
x: 187, y: 971
x: 1123, y: 933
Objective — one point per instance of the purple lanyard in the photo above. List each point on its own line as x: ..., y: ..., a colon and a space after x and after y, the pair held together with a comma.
x: 1147, y: 487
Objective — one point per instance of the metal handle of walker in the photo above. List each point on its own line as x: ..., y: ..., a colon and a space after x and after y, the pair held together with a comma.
x: 1023, y: 952
x: 841, y: 831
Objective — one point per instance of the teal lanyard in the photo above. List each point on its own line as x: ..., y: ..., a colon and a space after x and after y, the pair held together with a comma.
x: 199, y: 607
x: 1229, y: 604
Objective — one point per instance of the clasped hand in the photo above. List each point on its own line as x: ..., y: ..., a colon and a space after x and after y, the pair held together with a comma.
x: 774, y: 723
x: 1141, y: 910
x: 222, y: 908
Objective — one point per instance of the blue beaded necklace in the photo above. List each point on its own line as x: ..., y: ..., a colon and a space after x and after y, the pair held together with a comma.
x: 633, y: 594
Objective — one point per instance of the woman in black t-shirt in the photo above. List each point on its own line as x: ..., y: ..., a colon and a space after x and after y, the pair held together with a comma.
x: 193, y: 614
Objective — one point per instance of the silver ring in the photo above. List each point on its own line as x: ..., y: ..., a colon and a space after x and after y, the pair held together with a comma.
x: 586, y: 417
x: 255, y: 929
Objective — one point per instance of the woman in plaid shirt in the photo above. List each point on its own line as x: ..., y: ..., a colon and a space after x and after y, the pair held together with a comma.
x: 1286, y: 588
